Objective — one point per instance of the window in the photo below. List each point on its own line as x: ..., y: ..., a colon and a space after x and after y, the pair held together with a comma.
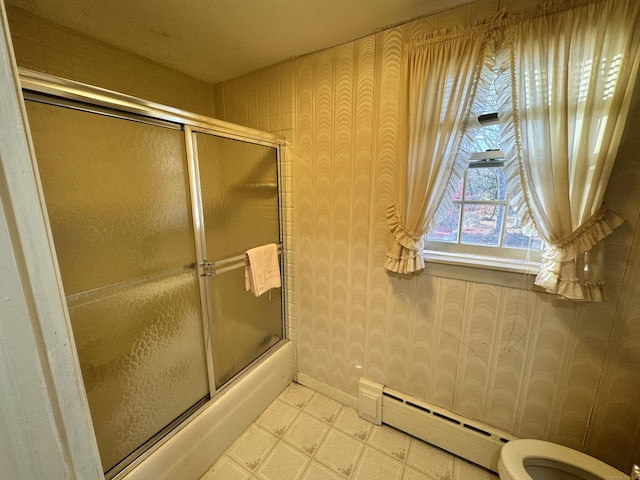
x: 480, y: 222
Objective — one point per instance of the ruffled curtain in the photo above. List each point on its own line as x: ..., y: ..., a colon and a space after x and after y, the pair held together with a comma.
x: 565, y: 78
x: 442, y: 72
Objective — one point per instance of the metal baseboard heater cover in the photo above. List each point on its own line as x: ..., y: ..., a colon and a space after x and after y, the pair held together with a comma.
x: 466, y: 438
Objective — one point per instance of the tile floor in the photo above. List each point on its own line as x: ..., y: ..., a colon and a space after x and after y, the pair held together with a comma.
x: 307, y: 436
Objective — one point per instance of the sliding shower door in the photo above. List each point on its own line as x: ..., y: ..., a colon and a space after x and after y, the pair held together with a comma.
x: 239, y: 195
x: 117, y: 195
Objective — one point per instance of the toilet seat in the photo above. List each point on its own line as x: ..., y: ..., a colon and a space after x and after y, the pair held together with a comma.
x: 517, y: 455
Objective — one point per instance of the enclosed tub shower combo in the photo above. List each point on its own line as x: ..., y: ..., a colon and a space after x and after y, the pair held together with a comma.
x: 151, y: 211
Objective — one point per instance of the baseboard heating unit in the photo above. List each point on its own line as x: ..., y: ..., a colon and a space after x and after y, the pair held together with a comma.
x: 466, y: 438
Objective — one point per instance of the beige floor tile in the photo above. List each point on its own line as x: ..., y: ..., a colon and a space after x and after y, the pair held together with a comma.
x: 350, y: 422
x: 390, y: 441
x: 306, y: 433
x: 278, y: 417
x: 340, y: 452
x: 296, y: 395
x: 283, y: 463
x: 323, y: 407
x: 252, y: 447
x: 375, y: 465
x: 413, y: 474
x: 430, y: 460
x: 317, y: 471
x: 226, y: 469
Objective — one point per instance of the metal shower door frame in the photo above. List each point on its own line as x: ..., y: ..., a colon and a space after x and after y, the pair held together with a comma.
x: 200, y: 236
x: 89, y: 98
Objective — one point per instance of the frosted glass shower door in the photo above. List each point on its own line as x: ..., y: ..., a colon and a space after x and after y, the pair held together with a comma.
x: 117, y: 195
x: 238, y: 183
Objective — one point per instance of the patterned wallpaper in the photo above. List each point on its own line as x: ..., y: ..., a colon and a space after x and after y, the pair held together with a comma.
x: 512, y: 357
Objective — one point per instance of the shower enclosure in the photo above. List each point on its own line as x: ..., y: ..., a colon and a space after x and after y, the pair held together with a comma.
x: 151, y: 211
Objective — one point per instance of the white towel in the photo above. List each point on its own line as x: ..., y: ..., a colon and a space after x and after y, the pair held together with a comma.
x: 261, y: 269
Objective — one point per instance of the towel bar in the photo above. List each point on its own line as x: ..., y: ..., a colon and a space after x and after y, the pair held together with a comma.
x: 209, y: 269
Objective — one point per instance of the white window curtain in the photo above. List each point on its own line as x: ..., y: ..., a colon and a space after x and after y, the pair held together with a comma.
x: 442, y: 72
x: 565, y: 81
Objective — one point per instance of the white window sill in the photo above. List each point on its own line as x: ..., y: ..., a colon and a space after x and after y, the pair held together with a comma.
x: 481, y: 269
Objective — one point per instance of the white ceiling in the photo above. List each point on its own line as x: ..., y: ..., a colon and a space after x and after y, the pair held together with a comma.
x: 215, y: 40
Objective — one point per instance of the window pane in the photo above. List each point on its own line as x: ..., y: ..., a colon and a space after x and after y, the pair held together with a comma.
x: 447, y: 230
x: 481, y: 224
x: 487, y: 138
x: 513, y: 236
x: 486, y: 183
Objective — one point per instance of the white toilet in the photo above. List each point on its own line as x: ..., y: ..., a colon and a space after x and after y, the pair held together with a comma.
x: 539, y: 460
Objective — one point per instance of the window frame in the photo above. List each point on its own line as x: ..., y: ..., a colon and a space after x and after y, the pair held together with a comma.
x: 483, y: 256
